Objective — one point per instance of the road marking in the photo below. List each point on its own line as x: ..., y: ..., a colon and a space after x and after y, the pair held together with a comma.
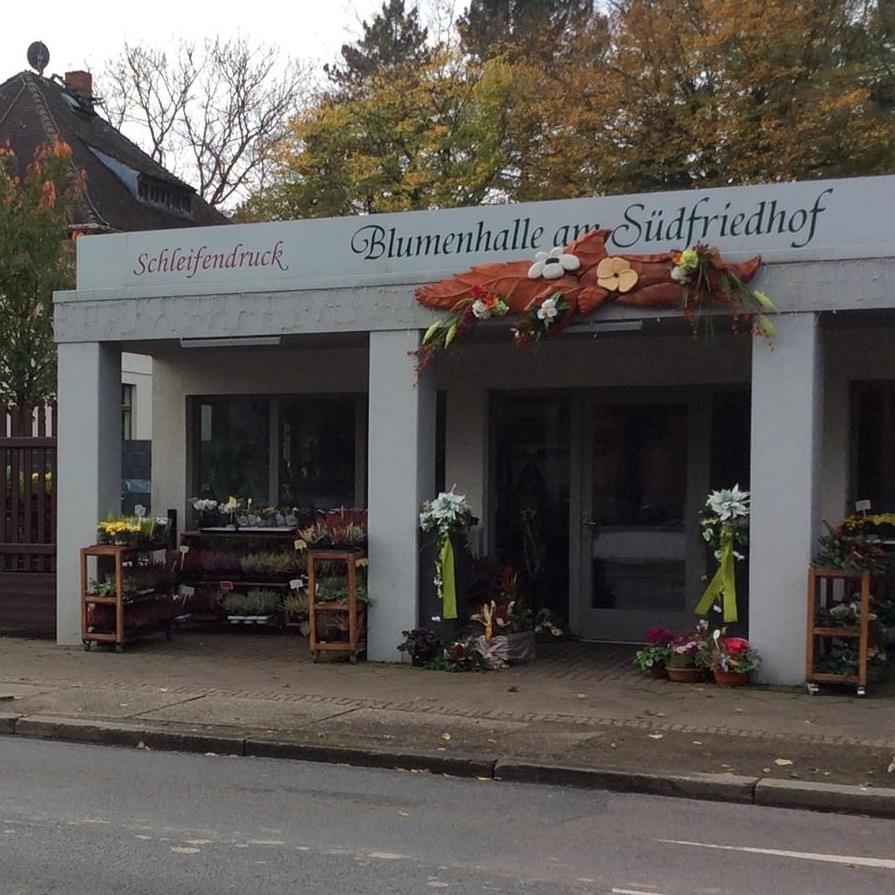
x: 883, y: 863
x: 634, y: 892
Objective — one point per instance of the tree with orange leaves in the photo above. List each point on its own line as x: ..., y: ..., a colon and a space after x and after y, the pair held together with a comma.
x: 36, y: 258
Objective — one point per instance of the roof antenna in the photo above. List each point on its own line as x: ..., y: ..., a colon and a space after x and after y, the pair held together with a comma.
x: 38, y: 57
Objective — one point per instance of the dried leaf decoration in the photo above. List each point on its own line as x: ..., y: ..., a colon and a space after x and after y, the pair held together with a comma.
x: 547, y: 306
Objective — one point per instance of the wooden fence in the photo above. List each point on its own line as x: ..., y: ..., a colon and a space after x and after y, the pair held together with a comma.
x: 28, y: 522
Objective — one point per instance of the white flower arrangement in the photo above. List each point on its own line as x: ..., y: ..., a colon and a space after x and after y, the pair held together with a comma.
x: 548, y: 310
x: 553, y: 264
x: 448, y: 512
x: 726, y: 516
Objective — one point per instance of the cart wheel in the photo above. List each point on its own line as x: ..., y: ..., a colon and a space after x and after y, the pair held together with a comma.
x: 315, y: 657
x: 862, y: 691
x: 813, y: 689
x: 87, y: 645
x: 353, y: 658
x: 119, y: 647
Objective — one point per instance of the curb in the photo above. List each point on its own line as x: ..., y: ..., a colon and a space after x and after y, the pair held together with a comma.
x: 8, y: 723
x: 454, y: 765
x: 826, y: 797
x: 117, y: 734
x: 711, y: 787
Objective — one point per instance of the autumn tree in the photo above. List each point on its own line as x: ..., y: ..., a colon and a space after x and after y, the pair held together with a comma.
x: 392, y: 40
x: 688, y: 93
x: 35, y: 259
x: 517, y: 27
x: 414, y: 137
x: 207, y: 112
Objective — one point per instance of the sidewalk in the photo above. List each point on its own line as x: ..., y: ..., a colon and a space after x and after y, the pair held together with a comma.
x: 579, y: 706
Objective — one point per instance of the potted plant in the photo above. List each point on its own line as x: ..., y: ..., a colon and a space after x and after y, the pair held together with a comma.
x: 295, y: 609
x: 684, y: 664
x: 733, y: 660
x: 421, y: 645
x: 256, y: 607
x: 655, y: 655
x: 507, y: 623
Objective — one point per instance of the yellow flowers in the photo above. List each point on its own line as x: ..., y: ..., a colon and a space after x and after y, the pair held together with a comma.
x: 689, y: 259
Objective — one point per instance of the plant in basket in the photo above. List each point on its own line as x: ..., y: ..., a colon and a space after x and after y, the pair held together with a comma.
x: 421, y: 645
x: 655, y: 655
x: 506, y: 623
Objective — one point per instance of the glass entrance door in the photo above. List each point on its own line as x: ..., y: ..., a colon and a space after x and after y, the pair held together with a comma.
x: 633, y: 524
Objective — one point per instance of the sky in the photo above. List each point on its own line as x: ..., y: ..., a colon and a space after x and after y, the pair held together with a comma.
x: 82, y: 34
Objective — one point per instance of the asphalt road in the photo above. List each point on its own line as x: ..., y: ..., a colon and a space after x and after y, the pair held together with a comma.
x: 105, y: 820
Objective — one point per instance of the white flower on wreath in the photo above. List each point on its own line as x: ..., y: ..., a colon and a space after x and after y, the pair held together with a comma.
x: 729, y: 503
x: 548, y: 310
x: 480, y: 309
x: 680, y: 275
x: 553, y: 264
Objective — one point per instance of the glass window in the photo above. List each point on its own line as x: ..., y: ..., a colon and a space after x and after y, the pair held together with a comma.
x: 531, y: 475
x: 127, y: 412
x: 318, y: 451
x: 873, y: 441
x: 233, y: 456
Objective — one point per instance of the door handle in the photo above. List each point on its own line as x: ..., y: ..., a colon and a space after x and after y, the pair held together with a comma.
x: 589, y: 523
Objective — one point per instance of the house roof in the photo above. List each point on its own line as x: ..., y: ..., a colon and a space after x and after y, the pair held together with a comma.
x: 35, y: 110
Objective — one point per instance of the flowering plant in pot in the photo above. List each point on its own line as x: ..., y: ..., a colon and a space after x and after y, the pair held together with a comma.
x: 684, y: 664
x: 655, y: 655
x: 733, y: 660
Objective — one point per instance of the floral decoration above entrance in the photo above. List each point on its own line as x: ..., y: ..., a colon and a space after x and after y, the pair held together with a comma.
x: 572, y: 282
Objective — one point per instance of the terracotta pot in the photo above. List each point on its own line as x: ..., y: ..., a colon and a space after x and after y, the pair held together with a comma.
x: 731, y: 678
x: 683, y: 675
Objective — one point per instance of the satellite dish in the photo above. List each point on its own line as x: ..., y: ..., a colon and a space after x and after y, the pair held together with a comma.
x: 38, y: 56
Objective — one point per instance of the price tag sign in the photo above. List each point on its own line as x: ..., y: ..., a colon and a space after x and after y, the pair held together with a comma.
x: 862, y: 506
x: 186, y: 590
x: 296, y: 584
x: 300, y: 545
x: 184, y: 549
x: 226, y: 585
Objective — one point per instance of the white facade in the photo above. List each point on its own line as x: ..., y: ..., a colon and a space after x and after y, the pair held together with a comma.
x: 346, y: 318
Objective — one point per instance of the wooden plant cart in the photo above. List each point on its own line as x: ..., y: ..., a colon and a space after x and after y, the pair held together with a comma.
x: 119, y: 555
x: 821, y: 586
x: 350, y: 607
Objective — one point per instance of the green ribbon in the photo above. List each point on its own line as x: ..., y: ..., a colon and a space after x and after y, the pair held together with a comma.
x: 723, y: 584
x: 447, y: 590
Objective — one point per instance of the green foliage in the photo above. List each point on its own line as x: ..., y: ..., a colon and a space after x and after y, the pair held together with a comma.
x: 274, y: 562
x: 35, y: 260
x: 549, y: 100
x: 255, y: 602
x: 334, y: 588
x: 295, y: 604
x: 394, y: 38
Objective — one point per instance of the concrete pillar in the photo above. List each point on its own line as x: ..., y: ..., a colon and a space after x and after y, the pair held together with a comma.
x: 787, y: 434
x: 466, y: 452
x: 401, y: 474
x: 89, y: 464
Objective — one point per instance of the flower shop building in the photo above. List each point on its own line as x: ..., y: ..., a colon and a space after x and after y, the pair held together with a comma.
x: 284, y: 359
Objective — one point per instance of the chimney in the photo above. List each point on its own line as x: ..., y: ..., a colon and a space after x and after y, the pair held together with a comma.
x: 80, y: 83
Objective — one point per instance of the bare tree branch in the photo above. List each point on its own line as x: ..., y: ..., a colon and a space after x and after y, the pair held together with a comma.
x: 209, y: 114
